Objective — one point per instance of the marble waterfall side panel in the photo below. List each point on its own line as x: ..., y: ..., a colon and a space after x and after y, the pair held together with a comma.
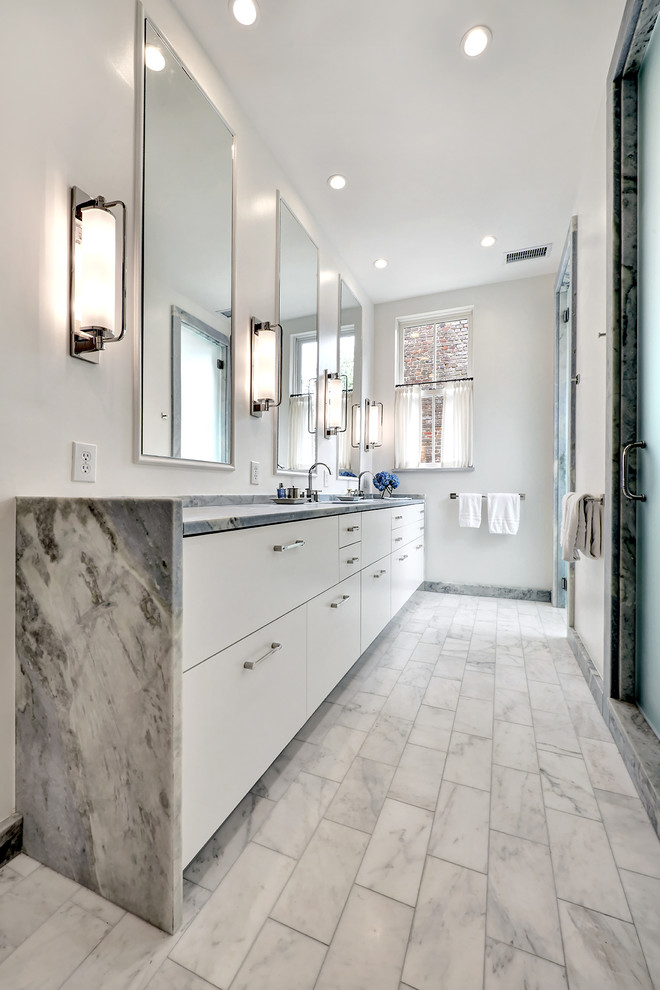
x: 98, y: 721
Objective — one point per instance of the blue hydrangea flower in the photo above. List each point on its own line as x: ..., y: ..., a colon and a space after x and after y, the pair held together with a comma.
x: 385, y: 479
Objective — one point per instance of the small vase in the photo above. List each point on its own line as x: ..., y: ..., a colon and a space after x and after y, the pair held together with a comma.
x: 387, y: 492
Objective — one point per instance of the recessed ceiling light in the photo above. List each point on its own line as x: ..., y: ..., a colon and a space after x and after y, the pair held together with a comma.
x: 154, y: 58
x: 380, y: 263
x: 337, y: 181
x: 476, y: 40
x: 488, y: 240
x: 245, y: 11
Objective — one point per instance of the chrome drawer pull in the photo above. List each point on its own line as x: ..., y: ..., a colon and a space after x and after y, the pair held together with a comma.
x: 352, y: 560
x: 398, y: 517
x: 420, y: 546
x: 342, y: 601
x: 379, y: 573
x: 290, y: 546
x: 352, y: 529
x: 398, y: 539
x: 405, y: 557
x: 251, y: 664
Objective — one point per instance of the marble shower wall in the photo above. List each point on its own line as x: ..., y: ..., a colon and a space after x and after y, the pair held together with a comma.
x: 98, y: 720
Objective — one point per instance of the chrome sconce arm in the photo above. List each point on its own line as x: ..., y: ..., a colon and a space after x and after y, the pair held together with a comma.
x: 93, y: 276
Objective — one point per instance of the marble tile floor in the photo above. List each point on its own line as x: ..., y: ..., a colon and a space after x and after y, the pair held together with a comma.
x: 454, y: 816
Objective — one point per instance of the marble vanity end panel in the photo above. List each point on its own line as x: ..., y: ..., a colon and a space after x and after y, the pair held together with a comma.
x: 488, y: 591
x: 98, y: 705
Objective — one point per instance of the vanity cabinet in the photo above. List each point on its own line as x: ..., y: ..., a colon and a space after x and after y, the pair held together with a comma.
x: 333, y: 638
x: 375, y: 587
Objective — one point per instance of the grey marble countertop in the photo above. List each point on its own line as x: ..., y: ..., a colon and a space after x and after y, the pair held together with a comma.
x: 218, y: 518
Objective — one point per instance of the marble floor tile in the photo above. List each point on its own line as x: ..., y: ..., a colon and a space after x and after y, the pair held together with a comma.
x: 54, y: 951
x: 416, y: 674
x: 601, y: 952
x: 31, y: 902
x: 460, y: 827
x: 514, y: 746
x: 406, y: 641
x: 566, y: 784
x: 386, y: 741
x: 475, y: 685
x: 510, y: 969
x: 540, y: 669
x: 427, y: 653
x: 404, y: 701
x: 643, y: 895
x: 24, y: 865
x: 417, y: 778
x: 280, y: 958
x: 127, y: 957
x: 517, y: 804
x: 447, y: 939
x: 522, y: 907
x: 432, y: 728
x: 449, y: 668
x: 634, y: 843
x: 442, y: 692
x: 510, y: 656
x: 224, y: 847
x: 469, y: 760
x: 547, y: 697
x: 293, y: 822
x: 381, y: 681
x: 606, y: 767
x: 368, y: 949
x: 474, y: 717
x: 317, y: 725
x: 335, y: 754
x: 394, y: 859
x: 97, y: 906
x: 233, y: 916
x: 293, y: 758
x: 555, y: 733
x: 361, y: 794
x: 588, y: 721
x: 361, y: 711
x: 396, y: 658
x: 583, y: 841
x: 510, y: 678
x: 575, y: 688
x: 171, y: 976
x: 315, y: 895
x: 512, y: 706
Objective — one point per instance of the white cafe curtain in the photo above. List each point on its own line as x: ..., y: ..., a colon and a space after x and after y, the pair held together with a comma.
x: 301, y: 441
x: 407, y: 426
x: 456, y: 446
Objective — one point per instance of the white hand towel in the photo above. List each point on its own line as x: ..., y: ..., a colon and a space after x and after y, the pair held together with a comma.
x: 503, y: 512
x: 588, y: 536
x: 570, y: 519
x: 469, y: 510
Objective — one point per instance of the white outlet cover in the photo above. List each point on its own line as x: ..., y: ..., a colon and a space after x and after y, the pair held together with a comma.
x: 83, y: 467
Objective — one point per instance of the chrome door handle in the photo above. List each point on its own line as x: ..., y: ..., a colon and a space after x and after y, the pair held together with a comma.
x: 251, y: 664
x: 289, y: 546
x: 352, y: 560
x: 342, y: 601
x: 352, y: 529
x: 625, y: 468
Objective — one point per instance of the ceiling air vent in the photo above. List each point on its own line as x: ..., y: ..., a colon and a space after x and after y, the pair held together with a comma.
x: 527, y: 254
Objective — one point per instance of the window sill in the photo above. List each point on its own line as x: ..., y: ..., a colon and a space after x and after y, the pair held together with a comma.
x: 431, y: 467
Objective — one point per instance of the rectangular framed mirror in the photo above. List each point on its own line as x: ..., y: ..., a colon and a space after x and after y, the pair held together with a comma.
x: 187, y: 257
x: 349, y: 363
x: 297, y: 282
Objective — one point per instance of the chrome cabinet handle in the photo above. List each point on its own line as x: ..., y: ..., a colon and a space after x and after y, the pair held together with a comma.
x: 405, y: 557
x: 420, y: 546
x: 398, y: 539
x: 251, y: 664
x: 289, y: 546
x: 379, y: 573
x: 342, y: 601
x: 398, y: 517
x: 352, y: 560
x: 625, y: 471
x: 352, y: 529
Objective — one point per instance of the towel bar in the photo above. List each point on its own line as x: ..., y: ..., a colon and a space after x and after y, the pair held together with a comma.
x: 455, y: 495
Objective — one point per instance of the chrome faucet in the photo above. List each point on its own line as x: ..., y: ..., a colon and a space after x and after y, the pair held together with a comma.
x: 312, y: 495
x: 360, y: 480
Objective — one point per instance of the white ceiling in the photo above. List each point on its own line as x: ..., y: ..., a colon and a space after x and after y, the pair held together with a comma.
x: 438, y: 149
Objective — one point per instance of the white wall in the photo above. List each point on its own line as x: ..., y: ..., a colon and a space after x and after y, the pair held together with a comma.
x: 591, y: 397
x: 513, y: 334
x: 67, y: 78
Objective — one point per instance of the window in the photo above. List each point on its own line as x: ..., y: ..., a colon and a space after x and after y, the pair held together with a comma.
x: 434, y: 363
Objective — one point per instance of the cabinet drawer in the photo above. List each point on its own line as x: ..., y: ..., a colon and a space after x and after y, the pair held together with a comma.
x: 333, y: 638
x: 236, y: 721
x: 406, y: 515
x: 376, y: 535
x: 350, y: 528
x: 236, y: 582
x: 350, y: 560
x: 407, y: 573
x: 406, y: 534
x: 375, y: 606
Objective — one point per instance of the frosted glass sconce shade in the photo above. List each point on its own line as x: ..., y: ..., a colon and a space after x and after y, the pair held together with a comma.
x: 335, y: 403
x: 94, y: 271
x: 373, y: 424
x: 266, y: 384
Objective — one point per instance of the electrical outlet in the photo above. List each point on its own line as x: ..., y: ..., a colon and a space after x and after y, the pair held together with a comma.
x: 254, y: 472
x: 84, y: 462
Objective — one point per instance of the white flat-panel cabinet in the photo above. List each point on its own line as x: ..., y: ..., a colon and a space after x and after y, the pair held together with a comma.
x: 375, y: 583
x: 240, y: 709
x: 333, y: 638
x: 376, y: 535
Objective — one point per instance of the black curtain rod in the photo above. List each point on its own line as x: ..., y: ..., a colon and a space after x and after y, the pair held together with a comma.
x: 299, y: 395
x: 435, y: 381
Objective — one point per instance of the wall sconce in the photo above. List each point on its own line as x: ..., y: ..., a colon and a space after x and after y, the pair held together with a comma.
x: 373, y: 424
x: 334, y: 405
x: 356, y: 424
x: 93, y: 264
x: 266, y: 378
